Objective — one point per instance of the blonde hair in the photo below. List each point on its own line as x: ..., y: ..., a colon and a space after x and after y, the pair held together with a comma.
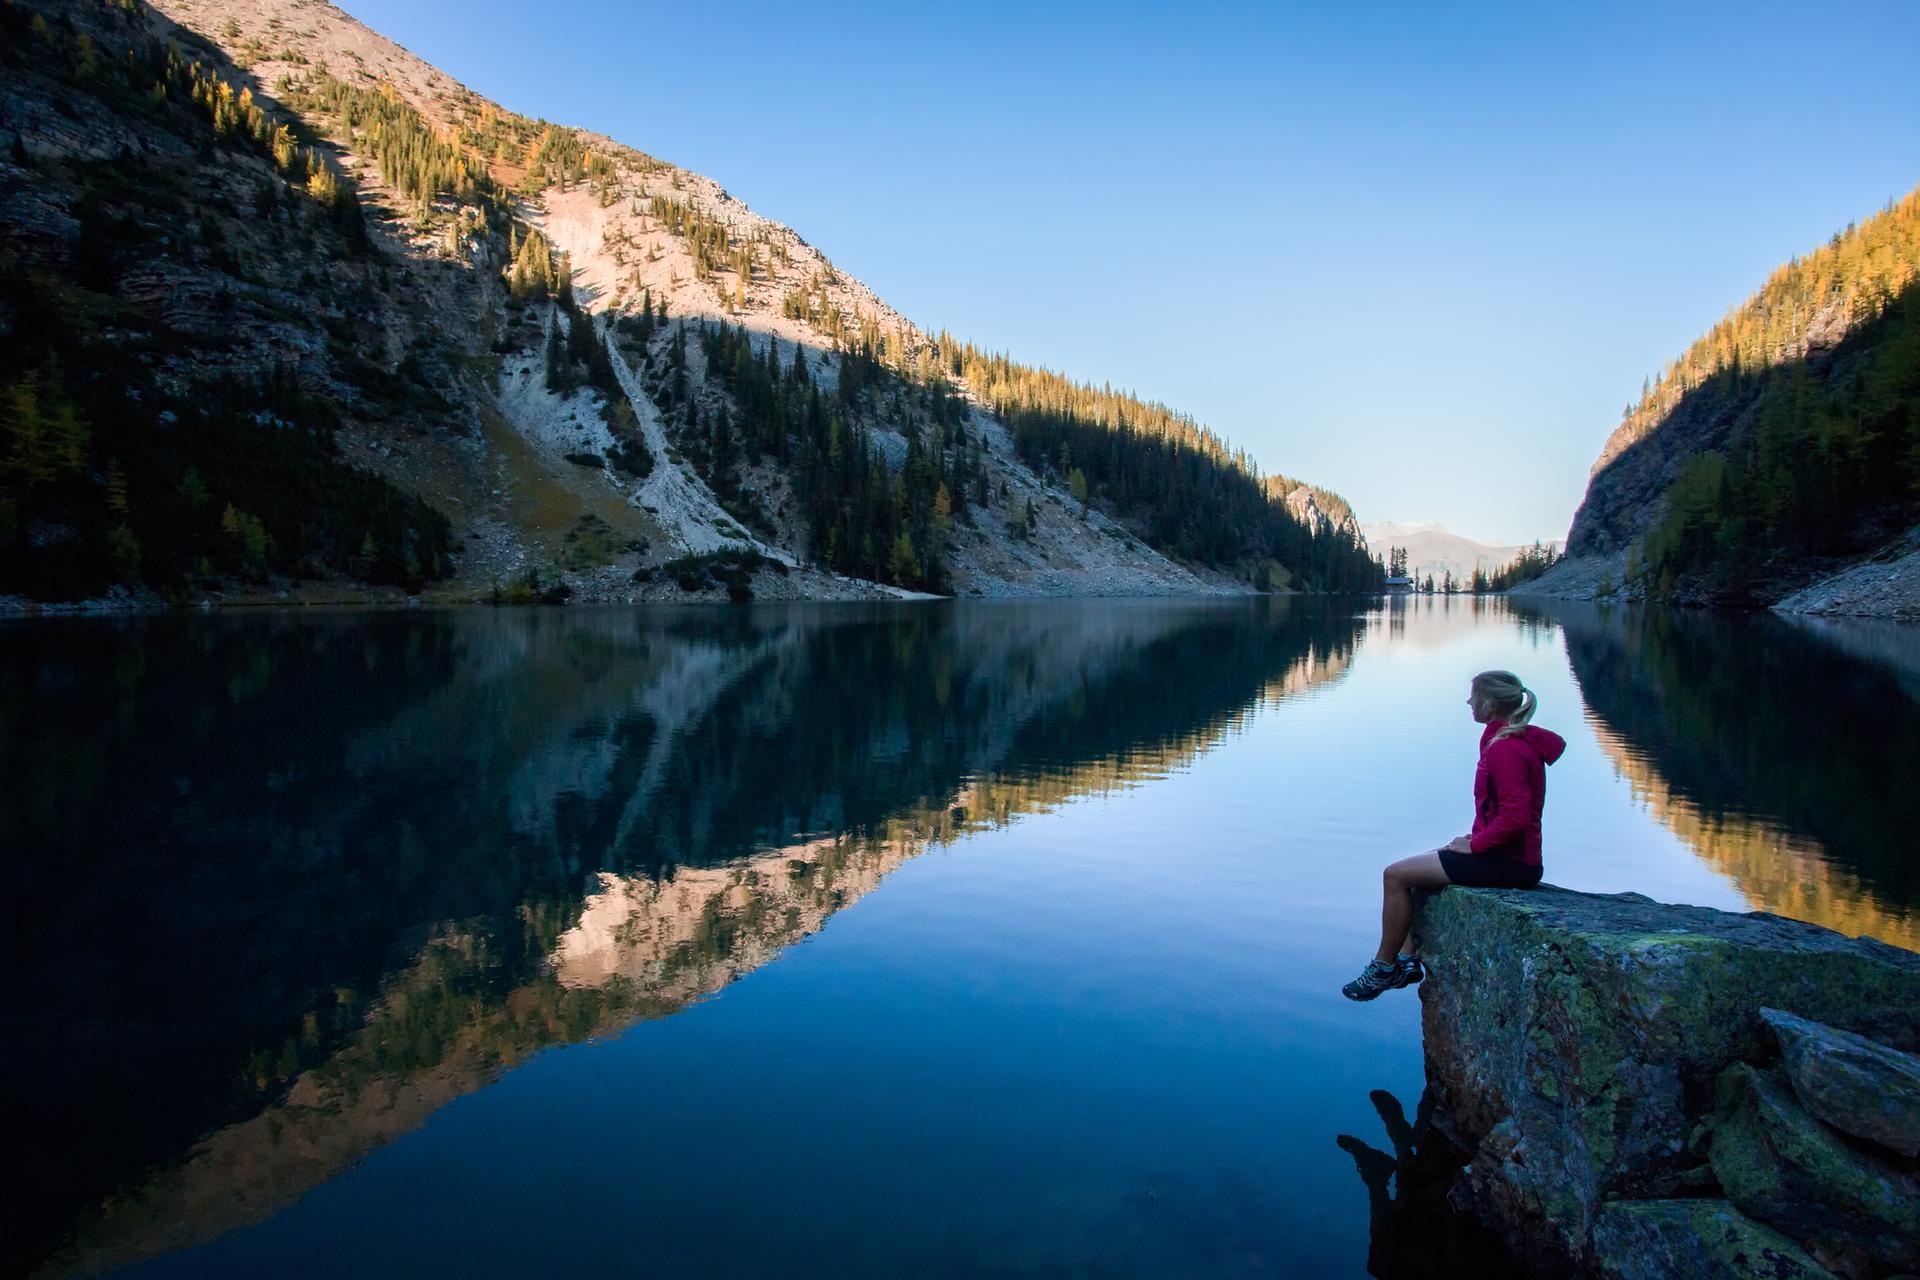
x: 1502, y: 694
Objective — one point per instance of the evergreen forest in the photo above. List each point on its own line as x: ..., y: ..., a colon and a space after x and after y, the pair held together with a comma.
x: 1821, y: 458
x: 128, y: 453
x: 1194, y: 496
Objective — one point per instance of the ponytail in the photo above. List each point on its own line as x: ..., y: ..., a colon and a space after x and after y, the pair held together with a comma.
x: 1502, y: 694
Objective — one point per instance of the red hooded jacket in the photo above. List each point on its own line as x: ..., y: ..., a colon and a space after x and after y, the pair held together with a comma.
x: 1510, y: 789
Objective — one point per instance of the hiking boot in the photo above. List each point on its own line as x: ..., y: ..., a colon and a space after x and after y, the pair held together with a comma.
x: 1382, y: 975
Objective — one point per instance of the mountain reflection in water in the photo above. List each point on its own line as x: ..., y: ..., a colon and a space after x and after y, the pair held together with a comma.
x: 286, y: 885
x: 1783, y: 751
x: 306, y: 879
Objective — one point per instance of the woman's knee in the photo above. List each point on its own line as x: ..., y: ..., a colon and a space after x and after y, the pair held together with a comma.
x: 1420, y: 871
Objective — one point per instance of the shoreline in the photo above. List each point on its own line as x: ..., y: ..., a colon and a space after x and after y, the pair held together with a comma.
x: 122, y: 603
x: 1882, y: 584
x: 128, y: 605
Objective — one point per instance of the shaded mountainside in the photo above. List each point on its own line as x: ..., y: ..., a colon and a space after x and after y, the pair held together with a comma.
x: 630, y: 809
x: 1782, y: 450
x: 287, y: 309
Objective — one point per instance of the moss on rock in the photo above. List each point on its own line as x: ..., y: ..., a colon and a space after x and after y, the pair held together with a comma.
x: 1783, y: 1167
x: 1574, y: 1039
x: 1859, y: 1087
x: 1694, y: 1240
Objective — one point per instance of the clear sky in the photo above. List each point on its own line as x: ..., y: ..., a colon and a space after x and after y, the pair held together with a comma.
x: 1418, y: 254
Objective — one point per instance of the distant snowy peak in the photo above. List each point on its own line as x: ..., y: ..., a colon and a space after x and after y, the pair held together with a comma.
x: 1433, y: 549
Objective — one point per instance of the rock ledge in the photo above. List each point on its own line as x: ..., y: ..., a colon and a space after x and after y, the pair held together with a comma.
x: 1577, y: 1043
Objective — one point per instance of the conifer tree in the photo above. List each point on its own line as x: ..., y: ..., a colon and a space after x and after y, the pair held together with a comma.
x: 559, y: 366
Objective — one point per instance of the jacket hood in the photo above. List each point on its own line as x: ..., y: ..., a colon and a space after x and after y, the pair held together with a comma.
x: 1549, y: 745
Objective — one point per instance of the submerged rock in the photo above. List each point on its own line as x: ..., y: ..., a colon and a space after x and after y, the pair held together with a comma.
x: 1574, y: 1042
x: 1693, y: 1240
x: 1857, y: 1086
x: 1786, y: 1169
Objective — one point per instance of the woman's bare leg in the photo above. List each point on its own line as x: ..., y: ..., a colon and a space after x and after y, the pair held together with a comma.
x: 1398, y: 881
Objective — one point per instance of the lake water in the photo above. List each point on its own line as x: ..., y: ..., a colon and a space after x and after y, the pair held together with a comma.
x: 949, y: 939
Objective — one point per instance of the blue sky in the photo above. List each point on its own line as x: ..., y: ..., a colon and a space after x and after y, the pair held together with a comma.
x: 1422, y: 255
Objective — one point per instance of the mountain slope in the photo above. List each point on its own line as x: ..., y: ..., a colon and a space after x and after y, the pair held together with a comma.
x: 507, y: 358
x: 1781, y: 450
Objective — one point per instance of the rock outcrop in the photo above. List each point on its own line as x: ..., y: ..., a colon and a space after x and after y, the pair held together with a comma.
x: 1859, y: 1087
x: 1781, y: 1166
x: 1616, y: 1067
x: 1697, y: 1239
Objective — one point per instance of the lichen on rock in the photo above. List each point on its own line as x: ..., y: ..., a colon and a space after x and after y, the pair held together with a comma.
x: 1781, y: 1166
x: 1575, y: 1041
x: 1859, y: 1087
x: 1693, y: 1240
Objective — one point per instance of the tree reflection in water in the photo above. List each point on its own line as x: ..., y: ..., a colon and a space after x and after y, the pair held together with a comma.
x: 1783, y: 753
x: 286, y: 884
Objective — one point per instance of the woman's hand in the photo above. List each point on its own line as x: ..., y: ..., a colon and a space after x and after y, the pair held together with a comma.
x: 1460, y: 844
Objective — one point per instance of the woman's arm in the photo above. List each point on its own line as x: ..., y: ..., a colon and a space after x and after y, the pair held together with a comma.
x: 1512, y: 800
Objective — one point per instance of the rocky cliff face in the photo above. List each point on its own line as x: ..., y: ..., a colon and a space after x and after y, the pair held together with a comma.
x: 1654, y: 1090
x: 1641, y: 457
x: 1313, y: 506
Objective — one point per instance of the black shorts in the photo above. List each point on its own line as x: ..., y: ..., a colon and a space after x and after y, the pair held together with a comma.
x: 1488, y: 870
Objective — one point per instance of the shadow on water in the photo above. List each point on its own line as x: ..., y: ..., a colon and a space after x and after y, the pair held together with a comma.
x: 284, y: 884
x: 1412, y: 1231
x: 1782, y: 750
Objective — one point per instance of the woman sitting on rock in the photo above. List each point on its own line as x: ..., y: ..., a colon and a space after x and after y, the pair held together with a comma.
x: 1503, y: 852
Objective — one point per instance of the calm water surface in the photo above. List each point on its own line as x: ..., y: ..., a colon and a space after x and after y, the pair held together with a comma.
x: 956, y: 939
